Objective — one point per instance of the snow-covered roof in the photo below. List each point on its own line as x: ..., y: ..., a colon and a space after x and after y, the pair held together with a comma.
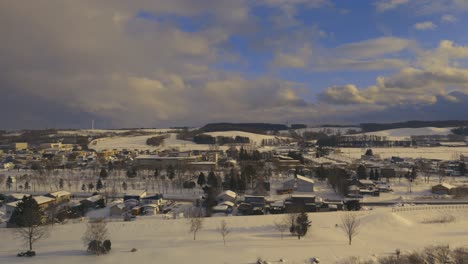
x: 120, y: 206
x: 446, y: 185
x: 228, y: 203
x: 366, y: 182
x: 18, y: 196
x: 43, y: 199
x: 227, y: 193
x: 94, y: 198
x: 301, y: 178
x: 60, y: 194
x: 139, y: 193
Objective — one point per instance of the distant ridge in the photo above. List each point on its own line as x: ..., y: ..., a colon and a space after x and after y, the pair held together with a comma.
x: 246, y: 127
x: 372, y: 127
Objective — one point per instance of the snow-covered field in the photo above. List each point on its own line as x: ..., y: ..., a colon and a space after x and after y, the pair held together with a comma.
x: 404, y: 133
x: 168, y: 241
x: 442, y: 153
x: 255, y: 138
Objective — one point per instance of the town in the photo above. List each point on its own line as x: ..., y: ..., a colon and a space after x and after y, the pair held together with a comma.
x: 76, y: 175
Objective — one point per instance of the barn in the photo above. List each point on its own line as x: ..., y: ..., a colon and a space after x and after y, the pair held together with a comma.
x: 299, y: 183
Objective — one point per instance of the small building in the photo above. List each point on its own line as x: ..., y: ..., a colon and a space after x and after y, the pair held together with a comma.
x: 43, y: 201
x: 13, y: 197
x: 298, y: 203
x: 60, y: 196
x: 93, y: 202
x: 365, y: 184
x: 118, y: 209
x: 154, y: 199
x: 353, y: 190
x: 226, y: 196
x: 443, y: 188
x: 299, y: 183
x: 150, y: 209
x: 135, y: 194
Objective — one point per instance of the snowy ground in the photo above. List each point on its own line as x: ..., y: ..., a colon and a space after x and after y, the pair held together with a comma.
x: 405, y: 133
x: 168, y: 241
x: 254, y: 138
x: 442, y: 153
x: 139, y: 142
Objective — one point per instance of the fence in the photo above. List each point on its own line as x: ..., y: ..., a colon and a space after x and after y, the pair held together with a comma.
x: 429, y: 207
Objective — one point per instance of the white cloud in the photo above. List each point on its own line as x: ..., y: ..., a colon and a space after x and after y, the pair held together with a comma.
x: 448, y: 18
x: 385, y: 5
x: 427, y: 25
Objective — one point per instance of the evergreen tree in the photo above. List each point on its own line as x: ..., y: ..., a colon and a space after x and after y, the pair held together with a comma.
x: 212, y: 180
x: 170, y: 171
x: 90, y: 186
x: 103, y: 173
x: 377, y: 175
x: 26, y: 213
x: 83, y: 187
x: 414, y: 173
x: 9, y: 182
x: 301, y: 225
x: 462, y: 168
x: 61, y: 183
x: 26, y: 185
x: 124, y: 186
x: 132, y: 172
x: 242, y: 183
x: 234, y: 182
x: 361, y: 172
x: 99, y: 185
x: 156, y: 173
x: 201, y: 179
x: 110, y: 166
x: 250, y: 174
x: 321, y: 173
x: 372, y: 175
x: 28, y: 217
x: 369, y: 152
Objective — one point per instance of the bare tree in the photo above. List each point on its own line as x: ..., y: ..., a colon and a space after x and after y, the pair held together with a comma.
x: 196, y: 224
x: 224, y: 230
x: 31, y: 234
x: 283, y: 225
x: 96, y: 233
x: 350, y: 225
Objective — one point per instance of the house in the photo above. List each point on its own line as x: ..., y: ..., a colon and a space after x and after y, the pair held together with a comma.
x: 443, y: 188
x: 60, y: 196
x: 93, y: 202
x: 353, y: 190
x: 229, y: 196
x: 150, y: 209
x: 154, y: 199
x: 257, y: 204
x: 299, y: 183
x: 13, y: 197
x: 118, y: 209
x: 135, y: 194
x: 299, y: 202
x: 365, y: 184
x: 43, y: 201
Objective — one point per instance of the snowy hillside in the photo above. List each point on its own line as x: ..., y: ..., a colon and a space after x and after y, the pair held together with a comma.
x: 255, y: 138
x: 408, y: 132
x: 168, y: 241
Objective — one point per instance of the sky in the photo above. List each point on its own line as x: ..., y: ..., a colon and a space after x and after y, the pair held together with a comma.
x: 161, y: 63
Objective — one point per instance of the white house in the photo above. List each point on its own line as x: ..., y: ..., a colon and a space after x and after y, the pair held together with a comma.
x: 226, y: 196
x: 299, y: 183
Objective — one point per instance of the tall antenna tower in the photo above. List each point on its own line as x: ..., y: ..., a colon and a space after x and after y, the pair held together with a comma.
x: 92, y: 124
